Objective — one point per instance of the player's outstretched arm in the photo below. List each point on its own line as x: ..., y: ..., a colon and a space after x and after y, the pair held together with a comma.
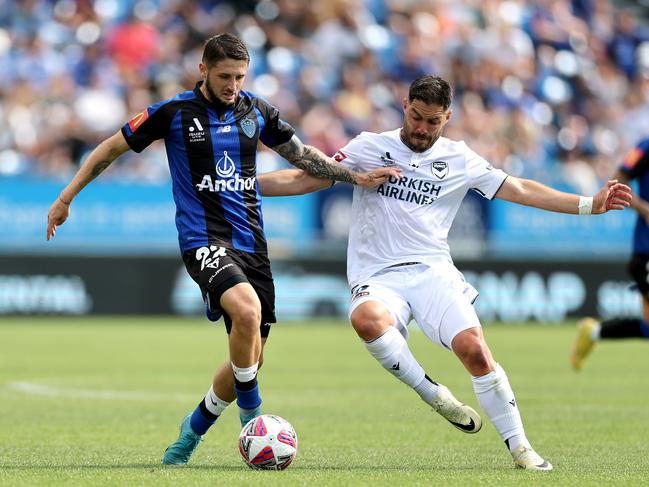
x: 96, y: 163
x: 290, y: 182
x: 612, y: 196
x: 317, y: 164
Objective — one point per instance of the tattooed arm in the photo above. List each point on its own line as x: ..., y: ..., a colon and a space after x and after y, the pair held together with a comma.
x: 316, y: 163
x: 96, y: 163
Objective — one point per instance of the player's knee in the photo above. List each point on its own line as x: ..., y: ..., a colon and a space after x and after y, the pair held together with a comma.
x: 247, y: 320
x: 480, y: 362
x: 475, y: 355
x: 370, y: 322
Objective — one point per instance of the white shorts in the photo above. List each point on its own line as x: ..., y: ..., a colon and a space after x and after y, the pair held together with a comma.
x: 436, y: 297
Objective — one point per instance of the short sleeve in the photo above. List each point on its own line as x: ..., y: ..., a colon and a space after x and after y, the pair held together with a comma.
x: 147, y: 126
x: 636, y: 162
x: 350, y: 155
x: 276, y: 131
x: 484, y: 179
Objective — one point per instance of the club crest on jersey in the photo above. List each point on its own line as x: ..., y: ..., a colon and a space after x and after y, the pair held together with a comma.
x: 248, y: 127
x: 440, y: 169
x: 387, y: 160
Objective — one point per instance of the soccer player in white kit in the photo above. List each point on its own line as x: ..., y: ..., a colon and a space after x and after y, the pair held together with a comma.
x: 399, y: 265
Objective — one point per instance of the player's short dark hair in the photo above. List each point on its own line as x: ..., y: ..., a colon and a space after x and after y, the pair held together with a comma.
x: 432, y: 90
x: 224, y: 46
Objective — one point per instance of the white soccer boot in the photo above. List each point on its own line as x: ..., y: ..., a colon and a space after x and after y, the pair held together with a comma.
x: 529, y: 460
x: 463, y: 417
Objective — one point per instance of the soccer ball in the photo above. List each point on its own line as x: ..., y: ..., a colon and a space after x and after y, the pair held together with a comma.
x: 268, y: 442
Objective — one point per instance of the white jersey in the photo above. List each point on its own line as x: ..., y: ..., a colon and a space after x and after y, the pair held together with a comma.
x: 409, y: 220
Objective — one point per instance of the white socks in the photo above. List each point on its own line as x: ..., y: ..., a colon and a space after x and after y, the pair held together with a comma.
x: 214, y: 404
x: 493, y: 391
x: 391, y: 350
x: 496, y: 398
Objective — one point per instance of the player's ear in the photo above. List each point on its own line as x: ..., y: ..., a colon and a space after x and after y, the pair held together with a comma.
x: 449, y: 112
x: 405, y: 105
x: 203, y: 69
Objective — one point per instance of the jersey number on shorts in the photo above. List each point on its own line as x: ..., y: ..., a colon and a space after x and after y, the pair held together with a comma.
x: 209, y: 256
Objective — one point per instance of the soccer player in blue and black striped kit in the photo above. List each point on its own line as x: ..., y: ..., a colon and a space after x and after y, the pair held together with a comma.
x: 211, y: 135
x: 634, y: 167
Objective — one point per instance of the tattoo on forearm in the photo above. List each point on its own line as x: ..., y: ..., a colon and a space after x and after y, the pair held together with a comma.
x: 314, y: 161
x: 99, y: 168
x: 317, y: 164
x: 292, y: 150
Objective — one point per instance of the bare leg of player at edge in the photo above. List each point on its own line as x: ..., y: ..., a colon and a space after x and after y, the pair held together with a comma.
x: 374, y: 324
x: 237, y: 379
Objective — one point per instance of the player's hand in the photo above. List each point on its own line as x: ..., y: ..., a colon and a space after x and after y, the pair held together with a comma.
x: 59, y: 212
x: 377, y: 177
x: 613, y: 196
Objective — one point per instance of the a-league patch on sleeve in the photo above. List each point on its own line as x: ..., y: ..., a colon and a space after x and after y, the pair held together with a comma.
x: 339, y: 156
x: 632, y: 158
x: 138, y: 119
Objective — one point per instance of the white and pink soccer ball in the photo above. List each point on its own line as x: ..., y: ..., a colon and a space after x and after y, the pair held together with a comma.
x: 268, y: 442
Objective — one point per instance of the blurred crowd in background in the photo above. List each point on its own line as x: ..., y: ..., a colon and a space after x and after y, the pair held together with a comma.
x: 556, y: 90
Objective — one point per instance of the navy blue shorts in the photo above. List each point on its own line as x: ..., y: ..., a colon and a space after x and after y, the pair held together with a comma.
x: 216, y: 269
x: 639, y: 272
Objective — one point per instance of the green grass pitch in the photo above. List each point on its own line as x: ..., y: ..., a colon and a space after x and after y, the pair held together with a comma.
x: 92, y: 401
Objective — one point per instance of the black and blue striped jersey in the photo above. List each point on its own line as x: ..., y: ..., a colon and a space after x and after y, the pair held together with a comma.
x: 636, y: 166
x: 213, y: 163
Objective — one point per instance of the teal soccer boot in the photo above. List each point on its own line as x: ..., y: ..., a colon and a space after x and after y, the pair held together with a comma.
x: 249, y: 415
x: 182, y: 449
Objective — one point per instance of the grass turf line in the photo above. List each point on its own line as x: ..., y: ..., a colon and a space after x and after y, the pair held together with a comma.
x: 356, y: 424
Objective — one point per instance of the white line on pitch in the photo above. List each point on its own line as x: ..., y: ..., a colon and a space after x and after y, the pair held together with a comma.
x: 36, y: 389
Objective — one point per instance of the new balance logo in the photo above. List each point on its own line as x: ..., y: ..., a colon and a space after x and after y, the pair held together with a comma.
x: 395, y: 366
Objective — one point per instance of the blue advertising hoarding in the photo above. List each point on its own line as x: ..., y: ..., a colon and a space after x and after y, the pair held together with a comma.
x: 517, y: 231
x: 109, y: 217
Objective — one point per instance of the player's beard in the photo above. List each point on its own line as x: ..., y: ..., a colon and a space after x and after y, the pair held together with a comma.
x: 214, y: 98
x: 414, y: 143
